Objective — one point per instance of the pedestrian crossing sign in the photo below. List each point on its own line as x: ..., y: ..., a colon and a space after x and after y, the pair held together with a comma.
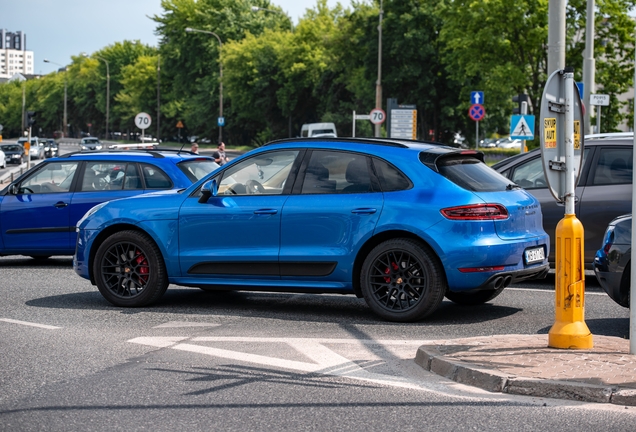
x: 522, y: 127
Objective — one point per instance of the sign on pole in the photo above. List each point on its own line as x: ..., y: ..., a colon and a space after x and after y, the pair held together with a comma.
x: 477, y: 97
x: 599, y: 99
x: 143, y: 120
x: 552, y: 133
x: 377, y: 116
x: 476, y: 112
x: 522, y: 127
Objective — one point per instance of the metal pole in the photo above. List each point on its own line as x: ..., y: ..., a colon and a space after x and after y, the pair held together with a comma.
x: 158, y: 99
x: 589, y: 65
x: 477, y: 134
x: 570, y: 176
x: 632, y: 296
x: 556, y: 35
x: 378, y: 84
x: 353, y: 127
x: 598, y: 120
x: 65, y: 128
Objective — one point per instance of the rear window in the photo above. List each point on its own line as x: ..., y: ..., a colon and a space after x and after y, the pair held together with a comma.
x: 196, y: 169
x: 472, y: 174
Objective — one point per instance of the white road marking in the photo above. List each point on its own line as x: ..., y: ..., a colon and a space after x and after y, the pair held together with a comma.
x: 44, y: 326
x: 324, y: 360
x: 552, y: 292
x: 174, y: 324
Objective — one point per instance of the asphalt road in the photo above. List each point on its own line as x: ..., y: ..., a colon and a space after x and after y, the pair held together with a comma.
x: 260, y: 361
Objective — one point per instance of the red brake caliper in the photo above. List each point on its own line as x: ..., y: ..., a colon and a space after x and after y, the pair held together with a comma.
x: 388, y: 270
x: 143, y: 269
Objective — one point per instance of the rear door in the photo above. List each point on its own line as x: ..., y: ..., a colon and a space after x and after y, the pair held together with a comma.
x: 334, y: 209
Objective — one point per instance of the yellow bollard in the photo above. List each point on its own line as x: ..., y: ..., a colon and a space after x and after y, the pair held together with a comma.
x: 569, y: 330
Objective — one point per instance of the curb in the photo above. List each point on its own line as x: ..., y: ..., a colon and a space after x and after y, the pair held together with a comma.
x: 431, y: 359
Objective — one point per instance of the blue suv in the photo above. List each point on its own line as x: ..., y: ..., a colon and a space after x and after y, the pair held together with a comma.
x: 400, y: 223
x: 39, y: 210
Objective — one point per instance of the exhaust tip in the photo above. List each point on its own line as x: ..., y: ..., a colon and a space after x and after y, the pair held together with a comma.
x: 507, y: 281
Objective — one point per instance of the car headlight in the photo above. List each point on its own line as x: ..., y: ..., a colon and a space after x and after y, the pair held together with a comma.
x: 83, y: 147
x: 98, y: 147
x: 15, y: 156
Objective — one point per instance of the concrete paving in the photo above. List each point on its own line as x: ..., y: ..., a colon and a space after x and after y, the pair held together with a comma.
x: 525, y: 365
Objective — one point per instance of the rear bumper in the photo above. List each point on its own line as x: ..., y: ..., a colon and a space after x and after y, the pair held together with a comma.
x: 505, y: 278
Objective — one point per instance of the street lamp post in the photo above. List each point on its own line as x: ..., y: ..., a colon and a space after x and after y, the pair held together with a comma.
x: 65, y: 126
x: 107, y: 91
x: 192, y: 30
x: 378, y: 84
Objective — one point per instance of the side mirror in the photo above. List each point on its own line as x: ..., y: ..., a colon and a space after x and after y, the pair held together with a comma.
x: 209, y: 189
x: 13, y: 189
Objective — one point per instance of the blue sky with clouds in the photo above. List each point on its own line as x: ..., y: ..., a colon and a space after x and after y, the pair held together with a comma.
x: 59, y: 29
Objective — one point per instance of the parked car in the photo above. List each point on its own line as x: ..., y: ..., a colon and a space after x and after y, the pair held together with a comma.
x: 318, y: 130
x: 508, y: 143
x: 90, y: 144
x: 612, y: 264
x: 3, y: 159
x: 36, y: 149
x: 604, y: 189
x: 488, y: 143
x: 39, y: 210
x: 14, y: 153
x: 386, y: 220
x: 51, y: 148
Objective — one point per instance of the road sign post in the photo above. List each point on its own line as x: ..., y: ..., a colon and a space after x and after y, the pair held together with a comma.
x: 599, y: 100
x: 561, y: 150
x: 477, y: 112
x: 143, y: 121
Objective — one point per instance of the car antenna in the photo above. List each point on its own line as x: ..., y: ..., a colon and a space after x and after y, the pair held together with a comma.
x: 179, y: 152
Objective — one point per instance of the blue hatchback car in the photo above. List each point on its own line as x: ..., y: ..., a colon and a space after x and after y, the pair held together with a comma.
x: 400, y: 223
x: 39, y: 211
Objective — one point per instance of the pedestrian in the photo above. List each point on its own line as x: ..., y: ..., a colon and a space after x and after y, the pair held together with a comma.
x: 195, y: 148
x: 219, y: 155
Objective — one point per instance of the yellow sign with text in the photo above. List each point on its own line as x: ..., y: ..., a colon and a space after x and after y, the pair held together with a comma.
x: 577, y: 135
x: 549, y: 132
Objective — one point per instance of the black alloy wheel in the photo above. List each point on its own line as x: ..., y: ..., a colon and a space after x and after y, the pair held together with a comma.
x: 129, y: 270
x: 402, y: 280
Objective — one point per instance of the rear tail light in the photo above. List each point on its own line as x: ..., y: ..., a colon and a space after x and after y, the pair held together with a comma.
x: 609, y: 240
x: 476, y: 212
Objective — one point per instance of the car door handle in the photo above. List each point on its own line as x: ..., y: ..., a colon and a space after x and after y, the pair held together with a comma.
x: 60, y: 204
x: 364, y: 211
x: 265, y: 211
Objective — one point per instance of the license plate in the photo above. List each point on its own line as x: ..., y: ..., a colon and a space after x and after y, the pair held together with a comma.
x: 534, y: 255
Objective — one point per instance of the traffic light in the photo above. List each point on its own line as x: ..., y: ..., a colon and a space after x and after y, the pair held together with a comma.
x: 520, y: 99
x: 30, y: 118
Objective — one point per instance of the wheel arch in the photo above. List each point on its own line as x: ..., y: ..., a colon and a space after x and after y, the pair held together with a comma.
x: 380, y: 238
x: 107, y: 232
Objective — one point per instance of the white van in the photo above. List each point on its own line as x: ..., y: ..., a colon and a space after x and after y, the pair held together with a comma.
x: 316, y: 130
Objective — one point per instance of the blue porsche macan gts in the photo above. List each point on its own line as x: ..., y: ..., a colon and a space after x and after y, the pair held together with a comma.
x: 402, y: 224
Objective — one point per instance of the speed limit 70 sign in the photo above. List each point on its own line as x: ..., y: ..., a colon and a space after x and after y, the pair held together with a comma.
x: 143, y: 120
x: 377, y: 116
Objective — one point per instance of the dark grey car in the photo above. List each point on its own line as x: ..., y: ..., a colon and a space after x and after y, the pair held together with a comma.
x: 612, y: 265
x: 13, y: 153
x: 604, y: 190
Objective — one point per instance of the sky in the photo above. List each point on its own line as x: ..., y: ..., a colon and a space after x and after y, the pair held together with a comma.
x: 59, y: 29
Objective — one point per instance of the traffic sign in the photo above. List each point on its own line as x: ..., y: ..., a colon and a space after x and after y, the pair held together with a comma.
x: 552, y: 133
x: 143, y: 120
x: 522, y: 127
x: 477, y: 97
x: 476, y: 112
x: 179, y: 124
x: 220, y: 121
x: 377, y: 116
x: 599, y: 99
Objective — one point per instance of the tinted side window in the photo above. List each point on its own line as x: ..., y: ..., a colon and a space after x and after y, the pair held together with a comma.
x: 102, y: 175
x: 265, y: 173
x: 155, y: 178
x: 391, y: 179
x: 336, y: 172
x: 614, y: 166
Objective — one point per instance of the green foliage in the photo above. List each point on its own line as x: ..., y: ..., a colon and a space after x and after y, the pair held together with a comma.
x: 276, y: 75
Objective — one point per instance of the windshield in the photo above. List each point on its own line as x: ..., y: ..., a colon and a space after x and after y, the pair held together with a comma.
x: 196, y: 169
x: 11, y: 148
x: 90, y: 141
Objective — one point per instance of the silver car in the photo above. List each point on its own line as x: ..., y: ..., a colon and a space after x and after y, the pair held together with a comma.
x: 604, y: 190
x: 36, y: 150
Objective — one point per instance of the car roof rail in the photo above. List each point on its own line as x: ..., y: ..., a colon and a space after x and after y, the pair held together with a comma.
x: 152, y: 152
x: 610, y: 135
x: 391, y: 142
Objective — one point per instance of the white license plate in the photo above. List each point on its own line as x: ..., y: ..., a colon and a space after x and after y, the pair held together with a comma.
x: 534, y: 255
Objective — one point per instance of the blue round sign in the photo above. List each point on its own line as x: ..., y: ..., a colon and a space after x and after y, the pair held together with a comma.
x: 221, y: 121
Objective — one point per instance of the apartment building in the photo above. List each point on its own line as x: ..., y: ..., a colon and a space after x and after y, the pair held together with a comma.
x: 14, y: 57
